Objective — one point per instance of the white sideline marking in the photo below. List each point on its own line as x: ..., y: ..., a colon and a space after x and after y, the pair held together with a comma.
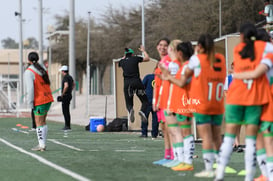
x: 68, y: 146
x: 18, y: 130
x: 129, y: 150
x: 128, y: 140
x: 46, y: 162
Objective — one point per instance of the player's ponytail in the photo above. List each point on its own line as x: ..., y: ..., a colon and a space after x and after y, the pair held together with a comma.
x: 207, y: 43
x: 34, y: 57
x: 249, y: 33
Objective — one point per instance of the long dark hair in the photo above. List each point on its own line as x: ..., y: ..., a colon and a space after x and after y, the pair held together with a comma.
x: 207, y: 43
x: 250, y: 34
x: 34, y: 57
x: 186, y: 48
x: 164, y: 39
x: 263, y: 35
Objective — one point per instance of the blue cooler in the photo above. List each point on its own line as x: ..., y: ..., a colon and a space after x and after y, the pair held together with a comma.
x: 95, y: 121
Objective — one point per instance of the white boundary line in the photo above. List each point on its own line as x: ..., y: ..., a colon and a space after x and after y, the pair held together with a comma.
x: 68, y: 146
x: 46, y: 162
x: 128, y: 140
x: 129, y: 150
x: 18, y: 130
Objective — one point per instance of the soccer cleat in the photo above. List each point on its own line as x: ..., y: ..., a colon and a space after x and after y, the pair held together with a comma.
x: 227, y: 169
x: 261, y: 178
x: 143, y: 117
x: 205, y: 174
x: 161, y: 162
x: 132, y: 115
x: 242, y: 173
x: 234, y: 149
x: 32, y: 130
x: 195, y: 156
x: 172, y: 163
x: 214, y: 165
x: 38, y: 148
x: 66, y: 128
x: 240, y: 149
x: 143, y: 136
x: 183, y: 167
x: 218, y: 179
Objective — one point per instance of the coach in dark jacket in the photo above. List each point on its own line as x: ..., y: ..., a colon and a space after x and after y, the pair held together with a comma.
x: 132, y: 82
x: 148, y: 82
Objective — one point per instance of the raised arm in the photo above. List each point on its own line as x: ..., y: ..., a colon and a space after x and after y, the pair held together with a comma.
x: 146, y: 57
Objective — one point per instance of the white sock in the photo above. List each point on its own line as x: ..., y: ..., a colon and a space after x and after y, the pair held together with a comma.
x: 216, y: 156
x: 208, y: 157
x: 224, y: 155
x: 175, y: 153
x: 269, y: 167
x: 41, y: 135
x: 261, y: 159
x: 45, y: 133
x: 179, y: 147
x: 250, y: 157
x: 189, y: 148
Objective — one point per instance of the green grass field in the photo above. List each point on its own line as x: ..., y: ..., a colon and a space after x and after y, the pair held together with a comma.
x: 82, y: 155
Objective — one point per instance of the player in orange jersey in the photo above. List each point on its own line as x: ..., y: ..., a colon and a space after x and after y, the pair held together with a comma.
x: 179, y: 111
x: 172, y: 125
x: 207, y: 73
x: 245, y: 99
x: 39, y: 96
x: 162, y: 49
x: 264, y: 151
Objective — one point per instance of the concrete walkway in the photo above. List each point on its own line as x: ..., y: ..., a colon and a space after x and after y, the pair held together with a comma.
x: 79, y: 115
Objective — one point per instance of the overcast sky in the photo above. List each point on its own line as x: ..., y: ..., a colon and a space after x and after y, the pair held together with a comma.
x: 10, y: 23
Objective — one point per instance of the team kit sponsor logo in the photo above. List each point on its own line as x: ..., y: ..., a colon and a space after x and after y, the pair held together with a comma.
x: 188, y: 102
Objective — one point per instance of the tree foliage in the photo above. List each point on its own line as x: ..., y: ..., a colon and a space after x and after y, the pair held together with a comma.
x: 175, y: 19
x: 9, y: 43
x: 60, y: 50
x: 30, y: 43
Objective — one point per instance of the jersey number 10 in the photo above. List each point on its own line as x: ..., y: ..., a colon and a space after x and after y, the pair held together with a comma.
x: 219, y: 91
